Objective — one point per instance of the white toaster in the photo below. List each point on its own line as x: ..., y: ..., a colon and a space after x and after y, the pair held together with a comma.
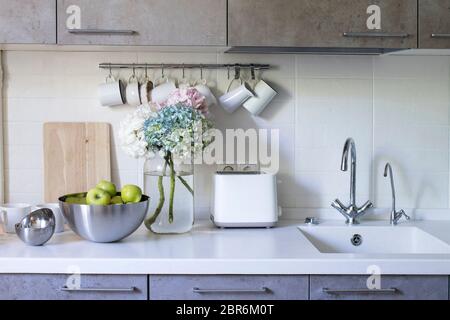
x: 244, y: 200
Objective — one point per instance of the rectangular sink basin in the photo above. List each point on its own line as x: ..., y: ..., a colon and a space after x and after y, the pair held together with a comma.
x: 373, y: 240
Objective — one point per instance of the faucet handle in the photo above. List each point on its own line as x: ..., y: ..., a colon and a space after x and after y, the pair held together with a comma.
x: 366, y: 206
x: 337, y: 204
x: 403, y: 213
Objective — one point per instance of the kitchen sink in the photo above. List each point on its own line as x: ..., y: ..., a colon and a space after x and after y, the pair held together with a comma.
x: 373, y: 240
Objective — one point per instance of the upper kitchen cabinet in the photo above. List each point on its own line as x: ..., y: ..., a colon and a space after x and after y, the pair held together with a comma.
x: 323, y: 23
x: 434, y: 24
x: 28, y: 21
x: 142, y: 22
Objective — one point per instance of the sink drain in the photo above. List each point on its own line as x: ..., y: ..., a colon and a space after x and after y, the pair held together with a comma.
x: 356, y: 240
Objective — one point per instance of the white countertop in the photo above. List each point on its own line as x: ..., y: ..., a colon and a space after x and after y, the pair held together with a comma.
x: 208, y: 250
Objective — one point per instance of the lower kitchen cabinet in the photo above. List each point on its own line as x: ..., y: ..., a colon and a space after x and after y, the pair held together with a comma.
x: 228, y: 287
x: 220, y: 287
x: 53, y: 287
x: 331, y: 287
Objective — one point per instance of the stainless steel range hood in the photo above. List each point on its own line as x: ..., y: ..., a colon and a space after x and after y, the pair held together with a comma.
x: 313, y: 50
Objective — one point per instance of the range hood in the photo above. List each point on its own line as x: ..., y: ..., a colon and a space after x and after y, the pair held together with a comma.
x: 313, y: 50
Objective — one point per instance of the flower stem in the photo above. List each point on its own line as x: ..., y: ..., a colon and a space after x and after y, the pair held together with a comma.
x: 186, y: 184
x: 172, y: 188
x: 149, y: 221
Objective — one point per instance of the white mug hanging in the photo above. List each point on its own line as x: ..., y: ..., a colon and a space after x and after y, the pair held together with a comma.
x: 233, y: 99
x: 163, y: 88
x: 264, y: 94
x: 112, y: 92
x: 133, y: 94
x: 202, y: 87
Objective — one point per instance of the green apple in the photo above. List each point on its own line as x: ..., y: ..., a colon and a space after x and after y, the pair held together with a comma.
x: 72, y: 200
x: 117, y: 200
x: 131, y: 193
x: 76, y: 200
x: 98, y: 197
x: 108, y: 187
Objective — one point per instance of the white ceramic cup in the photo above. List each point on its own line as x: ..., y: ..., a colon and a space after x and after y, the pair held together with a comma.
x: 144, y: 90
x: 112, y: 92
x: 12, y: 213
x: 59, y: 218
x: 264, y: 94
x: 233, y: 99
x: 160, y: 93
x: 206, y: 92
x: 132, y: 92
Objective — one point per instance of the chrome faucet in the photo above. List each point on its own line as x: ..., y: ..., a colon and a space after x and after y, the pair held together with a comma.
x: 395, y: 215
x: 352, y: 212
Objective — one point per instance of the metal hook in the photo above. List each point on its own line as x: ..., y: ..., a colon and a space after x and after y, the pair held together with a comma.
x: 183, y: 72
x: 228, y: 72
x: 237, y: 72
x: 110, y: 76
x: 201, y: 72
x: 146, y: 71
x: 252, y: 71
x: 162, y: 70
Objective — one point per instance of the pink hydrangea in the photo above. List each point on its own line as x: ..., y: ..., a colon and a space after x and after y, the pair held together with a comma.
x: 190, y: 97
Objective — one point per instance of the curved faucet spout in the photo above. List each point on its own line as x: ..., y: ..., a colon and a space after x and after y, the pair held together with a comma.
x: 388, y: 170
x: 348, y: 146
x: 395, y: 215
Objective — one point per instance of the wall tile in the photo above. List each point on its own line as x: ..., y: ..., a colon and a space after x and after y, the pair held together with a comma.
x: 23, y: 133
x: 431, y: 67
x: 396, y: 109
x: 354, y: 67
x: 24, y: 180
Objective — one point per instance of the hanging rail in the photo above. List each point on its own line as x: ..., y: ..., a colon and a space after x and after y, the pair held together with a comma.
x: 182, y: 66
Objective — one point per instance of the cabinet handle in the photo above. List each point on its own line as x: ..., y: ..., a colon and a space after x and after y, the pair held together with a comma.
x: 440, y: 35
x: 261, y: 290
x: 375, y: 35
x: 349, y: 291
x: 102, y: 31
x: 131, y: 289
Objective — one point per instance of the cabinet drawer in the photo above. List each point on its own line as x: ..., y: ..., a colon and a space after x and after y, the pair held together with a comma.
x: 93, y: 287
x: 434, y: 24
x: 324, y: 23
x: 142, y: 22
x: 28, y: 21
x: 393, y: 288
x: 228, y: 287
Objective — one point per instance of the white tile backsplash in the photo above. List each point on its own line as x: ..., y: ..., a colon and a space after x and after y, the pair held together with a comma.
x: 396, y: 109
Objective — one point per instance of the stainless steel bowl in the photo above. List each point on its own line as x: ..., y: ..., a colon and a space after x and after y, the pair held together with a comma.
x: 37, y: 227
x: 104, y: 223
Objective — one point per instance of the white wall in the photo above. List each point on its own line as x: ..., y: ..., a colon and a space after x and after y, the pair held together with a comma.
x: 395, y: 107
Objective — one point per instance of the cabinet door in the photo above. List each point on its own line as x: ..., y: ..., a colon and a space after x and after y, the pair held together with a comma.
x: 142, y: 22
x: 434, y: 24
x: 229, y: 287
x: 324, y: 23
x: 28, y: 21
x: 92, y: 287
x: 392, y: 288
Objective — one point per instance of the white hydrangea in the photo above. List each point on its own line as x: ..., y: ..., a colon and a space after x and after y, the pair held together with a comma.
x: 131, y: 133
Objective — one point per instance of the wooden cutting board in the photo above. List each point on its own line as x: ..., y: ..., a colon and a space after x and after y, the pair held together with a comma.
x: 77, y: 156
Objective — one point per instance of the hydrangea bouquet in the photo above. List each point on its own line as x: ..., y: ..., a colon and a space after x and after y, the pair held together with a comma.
x: 176, y: 130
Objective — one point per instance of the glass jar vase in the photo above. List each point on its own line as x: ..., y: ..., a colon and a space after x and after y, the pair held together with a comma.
x: 170, y: 186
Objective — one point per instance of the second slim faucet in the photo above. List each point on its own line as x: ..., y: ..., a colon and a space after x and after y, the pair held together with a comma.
x: 395, y: 215
x: 352, y: 212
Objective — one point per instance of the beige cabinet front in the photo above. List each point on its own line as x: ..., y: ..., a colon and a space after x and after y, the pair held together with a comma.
x: 142, y: 22
x: 323, y: 23
x: 28, y: 21
x: 434, y: 24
